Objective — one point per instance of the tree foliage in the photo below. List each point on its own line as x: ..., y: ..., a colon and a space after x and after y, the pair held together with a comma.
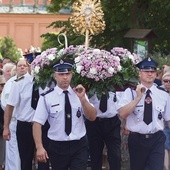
x: 119, y: 17
x: 8, y: 49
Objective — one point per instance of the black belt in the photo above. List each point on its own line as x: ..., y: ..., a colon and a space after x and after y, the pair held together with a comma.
x: 146, y: 136
x: 24, y: 123
x: 104, y: 119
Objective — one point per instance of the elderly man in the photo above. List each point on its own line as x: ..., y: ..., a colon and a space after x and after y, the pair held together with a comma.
x: 12, y: 160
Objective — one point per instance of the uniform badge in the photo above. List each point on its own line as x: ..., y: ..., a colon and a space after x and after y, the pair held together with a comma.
x: 61, y: 61
x: 78, y: 113
x: 160, y: 116
x: 148, y: 100
x: 68, y: 115
x: 149, y: 59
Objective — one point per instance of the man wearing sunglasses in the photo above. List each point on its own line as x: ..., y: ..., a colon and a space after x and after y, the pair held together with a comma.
x: 145, y: 111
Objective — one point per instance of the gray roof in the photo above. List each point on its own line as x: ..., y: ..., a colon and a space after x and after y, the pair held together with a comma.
x: 140, y: 34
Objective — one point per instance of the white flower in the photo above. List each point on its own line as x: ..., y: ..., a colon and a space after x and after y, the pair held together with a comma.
x: 60, y: 53
x: 111, y: 70
x: 96, y: 51
x: 43, y: 53
x: 36, y: 69
x: 78, y: 69
x: 32, y: 72
x: 51, y: 57
x: 104, y: 56
x: 93, y: 70
x: 119, y: 67
x: 36, y: 77
x: 90, y: 57
x: 117, y: 58
x: 77, y: 59
x: 132, y: 58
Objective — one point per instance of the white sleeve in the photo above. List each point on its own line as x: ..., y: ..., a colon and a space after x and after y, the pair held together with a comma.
x: 5, y: 94
x: 14, y: 95
x: 127, y: 96
x: 41, y: 112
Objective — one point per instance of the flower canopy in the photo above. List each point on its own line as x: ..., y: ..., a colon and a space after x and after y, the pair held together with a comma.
x: 97, y: 70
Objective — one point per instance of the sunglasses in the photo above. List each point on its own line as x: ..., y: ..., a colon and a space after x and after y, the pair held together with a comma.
x: 166, y: 81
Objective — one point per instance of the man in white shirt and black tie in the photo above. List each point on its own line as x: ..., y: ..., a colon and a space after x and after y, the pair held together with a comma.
x: 145, y: 112
x: 65, y: 109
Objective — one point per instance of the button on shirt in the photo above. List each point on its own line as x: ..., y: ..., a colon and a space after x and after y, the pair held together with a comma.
x: 20, y: 98
x: 160, y: 103
x: 111, y: 105
x: 51, y: 107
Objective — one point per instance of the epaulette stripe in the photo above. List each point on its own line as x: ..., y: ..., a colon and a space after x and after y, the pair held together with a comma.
x: 48, y: 91
x: 161, y: 88
x: 18, y: 79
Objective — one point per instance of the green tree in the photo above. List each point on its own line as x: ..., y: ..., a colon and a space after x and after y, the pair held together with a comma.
x: 119, y: 17
x: 9, y: 49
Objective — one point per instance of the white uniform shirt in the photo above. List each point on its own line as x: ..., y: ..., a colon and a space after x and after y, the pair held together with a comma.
x: 111, y: 105
x: 160, y: 105
x: 6, y: 91
x: 20, y: 97
x: 51, y: 106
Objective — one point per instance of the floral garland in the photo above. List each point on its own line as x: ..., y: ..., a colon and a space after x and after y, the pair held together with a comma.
x: 128, y: 61
x: 42, y: 66
x: 125, y: 55
x: 98, y: 70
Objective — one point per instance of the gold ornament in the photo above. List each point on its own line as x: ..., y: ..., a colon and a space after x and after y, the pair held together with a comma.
x: 87, y: 18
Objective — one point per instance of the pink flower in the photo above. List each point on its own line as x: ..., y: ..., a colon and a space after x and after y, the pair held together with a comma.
x: 96, y: 64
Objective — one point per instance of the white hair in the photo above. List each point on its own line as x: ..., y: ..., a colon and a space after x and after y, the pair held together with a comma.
x: 7, y: 65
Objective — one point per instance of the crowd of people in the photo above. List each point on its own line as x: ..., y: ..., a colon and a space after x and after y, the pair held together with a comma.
x: 64, y: 127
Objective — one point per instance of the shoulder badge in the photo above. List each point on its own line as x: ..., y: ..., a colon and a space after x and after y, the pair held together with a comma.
x: 161, y: 88
x: 19, y: 78
x: 48, y: 91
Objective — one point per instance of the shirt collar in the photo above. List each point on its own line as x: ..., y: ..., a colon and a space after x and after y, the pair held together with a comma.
x: 29, y: 76
x: 60, y: 91
x: 152, y: 88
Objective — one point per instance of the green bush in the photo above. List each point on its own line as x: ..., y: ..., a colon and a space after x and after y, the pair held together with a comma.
x: 8, y: 49
x: 161, y: 59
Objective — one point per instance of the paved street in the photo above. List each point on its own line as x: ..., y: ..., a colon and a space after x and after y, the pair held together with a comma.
x: 125, y: 166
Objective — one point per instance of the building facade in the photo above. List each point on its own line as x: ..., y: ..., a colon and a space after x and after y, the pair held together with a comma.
x: 26, y: 20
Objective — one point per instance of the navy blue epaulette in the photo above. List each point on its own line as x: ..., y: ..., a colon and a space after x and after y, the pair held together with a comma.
x: 161, y: 88
x: 19, y: 78
x: 48, y: 91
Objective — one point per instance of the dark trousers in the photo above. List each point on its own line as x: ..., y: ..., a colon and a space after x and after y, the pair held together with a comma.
x: 146, y: 151
x: 26, y: 144
x: 104, y: 131
x: 70, y: 155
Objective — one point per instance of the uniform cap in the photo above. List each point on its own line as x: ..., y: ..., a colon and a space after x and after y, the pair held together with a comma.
x: 147, y: 64
x: 31, y: 56
x: 63, y: 66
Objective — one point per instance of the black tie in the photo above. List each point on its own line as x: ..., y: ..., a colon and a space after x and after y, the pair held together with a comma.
x: 68, y: 116
x: 35, y: 97
x: 103, y: 103
x: 148, y: 108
